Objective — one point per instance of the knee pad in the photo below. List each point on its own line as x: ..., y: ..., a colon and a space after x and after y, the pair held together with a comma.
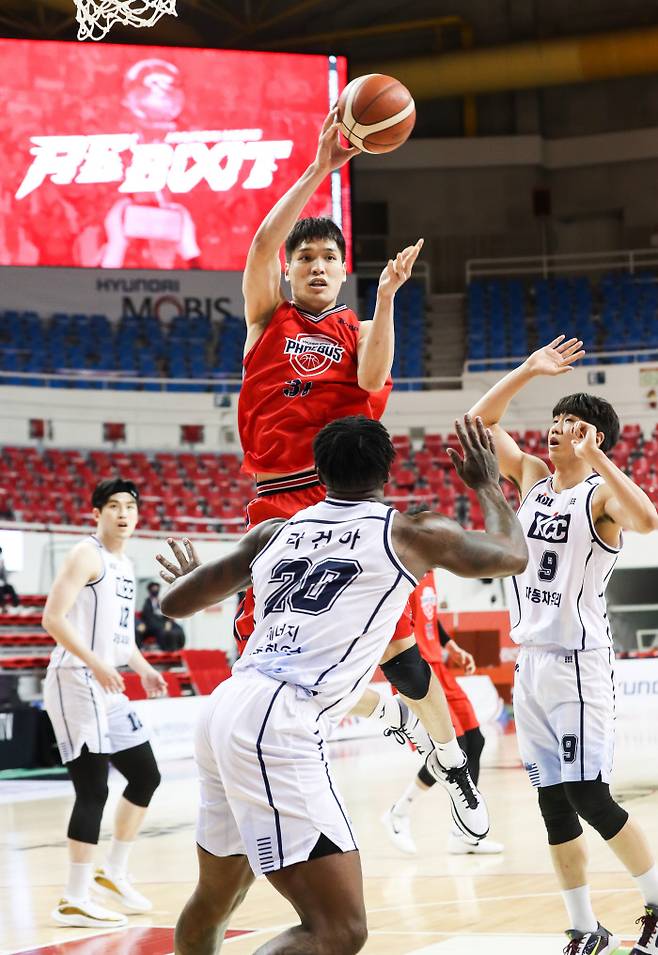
x: 592, y: 801
x: 89, y: 777
x: 560, y: 818
x: 139, y: 767
x: 409, y: 673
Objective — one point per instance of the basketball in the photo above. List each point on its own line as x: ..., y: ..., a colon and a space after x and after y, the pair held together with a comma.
x: 376, y: 113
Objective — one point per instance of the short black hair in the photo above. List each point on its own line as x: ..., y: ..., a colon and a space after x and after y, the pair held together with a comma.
x: 593, y: 410
x: 310, y: 229
x: 353, y: 453
x: 105, y: 489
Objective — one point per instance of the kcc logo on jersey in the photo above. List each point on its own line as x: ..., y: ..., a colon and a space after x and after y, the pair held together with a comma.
x: 311, y: 355
x: 550, y: 527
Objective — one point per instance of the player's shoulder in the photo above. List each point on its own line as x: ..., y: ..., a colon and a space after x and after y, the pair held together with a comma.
x: 85, y: 555
x: 413, y: 529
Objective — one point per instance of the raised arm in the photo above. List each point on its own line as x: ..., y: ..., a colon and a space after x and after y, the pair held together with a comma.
x: 437, y: 541
x: 261, y: 283
x: 197, y: 586
x: 81, y: 566
x: 556, y: 358
x: 377, y: 337
x: 618, y: 503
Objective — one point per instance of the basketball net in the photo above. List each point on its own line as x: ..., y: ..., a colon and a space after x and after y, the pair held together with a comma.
x: 95, y: 17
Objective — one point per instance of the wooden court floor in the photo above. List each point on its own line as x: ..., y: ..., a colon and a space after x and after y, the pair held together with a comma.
x: 430, y: 904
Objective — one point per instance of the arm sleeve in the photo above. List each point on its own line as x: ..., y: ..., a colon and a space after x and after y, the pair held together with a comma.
x: 444, y: 636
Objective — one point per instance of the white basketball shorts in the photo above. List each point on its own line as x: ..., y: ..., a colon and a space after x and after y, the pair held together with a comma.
x: 564, y: 709
x: 266, y: 788
x: 82, y: 712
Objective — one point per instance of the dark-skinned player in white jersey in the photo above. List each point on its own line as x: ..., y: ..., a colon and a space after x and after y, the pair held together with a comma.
x: 573, y: 518
x: 330, y: 585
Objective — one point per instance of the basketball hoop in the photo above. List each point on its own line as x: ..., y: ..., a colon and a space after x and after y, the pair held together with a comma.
x: 95, y: 17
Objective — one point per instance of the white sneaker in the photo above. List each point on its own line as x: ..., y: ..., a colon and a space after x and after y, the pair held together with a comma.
x: 119, y: 889
x: 408, y: 728
x: 398, y: 828
x: 83, y: 913
x: 599, y: 942
x: 469, y: 810
x: 459, y: 845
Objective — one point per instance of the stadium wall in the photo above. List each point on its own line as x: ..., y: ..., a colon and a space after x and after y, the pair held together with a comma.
x: 153, y: 419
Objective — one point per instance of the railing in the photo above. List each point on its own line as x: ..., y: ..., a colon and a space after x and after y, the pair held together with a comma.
x: 79, y: 529
x: 109, y: 380
x: 640, y: 354
x: 630, y: 260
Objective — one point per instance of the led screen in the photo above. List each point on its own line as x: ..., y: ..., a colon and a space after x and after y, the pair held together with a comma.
x: 149, y: 157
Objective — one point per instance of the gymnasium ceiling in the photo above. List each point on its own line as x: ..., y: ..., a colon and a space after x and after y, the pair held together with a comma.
x: 364, y: 30
x: 447, y: 51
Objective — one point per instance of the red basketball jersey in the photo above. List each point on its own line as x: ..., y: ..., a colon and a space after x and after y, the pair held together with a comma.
x: 300, y: 375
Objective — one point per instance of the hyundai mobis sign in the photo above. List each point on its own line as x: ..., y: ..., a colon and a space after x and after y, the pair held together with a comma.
x: 155, y: 158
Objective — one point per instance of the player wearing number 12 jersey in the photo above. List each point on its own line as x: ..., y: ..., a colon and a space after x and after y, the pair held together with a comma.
x: 90, y: 613
x: 564, y: 692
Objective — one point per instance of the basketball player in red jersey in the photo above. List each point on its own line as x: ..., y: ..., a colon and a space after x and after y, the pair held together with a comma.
x: 309, y: 361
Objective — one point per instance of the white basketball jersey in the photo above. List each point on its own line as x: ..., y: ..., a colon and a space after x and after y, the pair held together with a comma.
x: 103, y: 615
x: 329, y: 591
x: 559, y: 600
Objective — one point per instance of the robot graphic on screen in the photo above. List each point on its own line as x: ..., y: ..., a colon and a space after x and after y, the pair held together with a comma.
x: 148, y: 229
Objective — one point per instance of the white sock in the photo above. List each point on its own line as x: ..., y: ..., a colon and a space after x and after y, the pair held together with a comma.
x: 80, y: 875
x: 402, y: 806
x: 449, y: 754
x: 579, y: 907
x: 117, y: 857
x: 648, y: 885
x: 387, y: 710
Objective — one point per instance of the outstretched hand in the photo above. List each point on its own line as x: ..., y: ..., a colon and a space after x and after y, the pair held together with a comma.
x: 398, y: 270
x: 557, y: 357
x: 187, y: 560
x: 331, y: 153
x: 479, y: 466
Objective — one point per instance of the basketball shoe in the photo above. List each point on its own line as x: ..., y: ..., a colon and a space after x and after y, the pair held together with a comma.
x: 469, y: 810
x: 398, y: 828
x: 83, y: 913
x: 404, y: 726
x: 118, y: 888
x: 599, y: 942
x: 647, y: 944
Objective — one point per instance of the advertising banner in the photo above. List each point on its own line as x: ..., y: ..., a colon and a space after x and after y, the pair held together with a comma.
x: 117, y: 156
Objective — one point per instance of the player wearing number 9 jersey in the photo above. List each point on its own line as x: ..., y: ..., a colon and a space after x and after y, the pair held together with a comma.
x: 564, y: 693
x: 90, y: 613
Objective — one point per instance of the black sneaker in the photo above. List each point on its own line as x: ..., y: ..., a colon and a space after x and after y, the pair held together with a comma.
x: 599, y: 942
x: 647, y: 944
